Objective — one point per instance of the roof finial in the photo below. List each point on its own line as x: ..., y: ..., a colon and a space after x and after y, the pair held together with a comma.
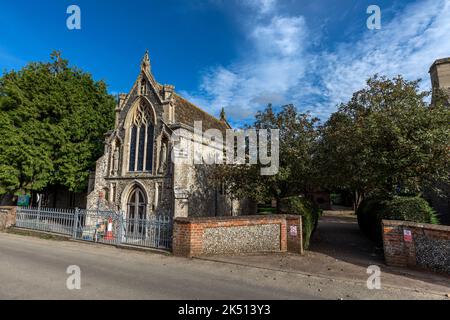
x: 223, y: 116
x: 145, y: 64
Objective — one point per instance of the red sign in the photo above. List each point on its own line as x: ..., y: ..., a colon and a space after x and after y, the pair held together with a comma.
x: 407, y: 235
x: 293, y: 231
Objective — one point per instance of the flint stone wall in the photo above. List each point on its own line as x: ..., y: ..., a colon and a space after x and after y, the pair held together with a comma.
x: 193, y: 237
x: 409, y: 244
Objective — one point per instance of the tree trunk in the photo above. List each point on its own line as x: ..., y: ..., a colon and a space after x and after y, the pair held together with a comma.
x: 358, y: 198
x: 278, y: 199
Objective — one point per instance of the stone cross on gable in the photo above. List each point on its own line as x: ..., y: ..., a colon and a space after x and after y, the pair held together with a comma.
x: 145, y: 64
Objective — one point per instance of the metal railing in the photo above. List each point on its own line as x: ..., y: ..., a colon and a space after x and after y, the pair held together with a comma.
x: 58, y: 221
x: 107, y: 227
x: 155, y: 231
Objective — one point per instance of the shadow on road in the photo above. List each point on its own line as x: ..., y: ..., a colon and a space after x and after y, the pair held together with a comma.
x: 339, y: 237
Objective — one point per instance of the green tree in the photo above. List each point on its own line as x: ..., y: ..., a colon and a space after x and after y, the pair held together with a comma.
x: 298, y: 134
x: 52, y: 124
x: 386, y: 140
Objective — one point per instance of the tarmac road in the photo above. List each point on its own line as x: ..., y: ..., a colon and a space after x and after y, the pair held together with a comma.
x: 32, y: 268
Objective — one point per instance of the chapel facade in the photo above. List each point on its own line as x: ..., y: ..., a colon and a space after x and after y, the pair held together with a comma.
x: 136, y: 174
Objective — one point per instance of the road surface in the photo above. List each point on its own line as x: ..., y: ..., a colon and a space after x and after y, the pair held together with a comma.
x: 32, y: 268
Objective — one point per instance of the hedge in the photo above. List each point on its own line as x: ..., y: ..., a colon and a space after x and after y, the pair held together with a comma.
x: 372, y: 211
x: 310, y: 215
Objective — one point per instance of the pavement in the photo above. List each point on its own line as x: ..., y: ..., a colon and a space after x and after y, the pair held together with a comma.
x: 34, y: 268
x: 339, y: 251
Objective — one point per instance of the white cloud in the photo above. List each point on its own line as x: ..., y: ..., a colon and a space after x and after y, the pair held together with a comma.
x: 265, y: 75
x: 281, y: 68
x: 283, y: 36
x: 407, y: 45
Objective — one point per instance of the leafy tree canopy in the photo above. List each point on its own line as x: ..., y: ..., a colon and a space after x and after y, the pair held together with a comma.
x: 386, y: 140
x: 52, y: 124
x: 298, y: 133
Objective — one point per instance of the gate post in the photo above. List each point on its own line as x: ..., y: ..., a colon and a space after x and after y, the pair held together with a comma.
x: 75, y: 223
x: 38, y: 213
x: 120, y: 235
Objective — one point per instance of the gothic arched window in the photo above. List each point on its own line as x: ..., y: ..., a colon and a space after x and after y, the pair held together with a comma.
x: 141, y: 140
x: 136, y: 213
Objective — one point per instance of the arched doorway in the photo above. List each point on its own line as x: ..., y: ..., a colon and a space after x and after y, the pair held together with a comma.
x: 136, y: 213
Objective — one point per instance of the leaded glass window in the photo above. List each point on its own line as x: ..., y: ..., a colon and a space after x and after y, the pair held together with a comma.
x: 149, y: 160
x: 141, y: 140
x: 136, y: 213
x: 133, y: 148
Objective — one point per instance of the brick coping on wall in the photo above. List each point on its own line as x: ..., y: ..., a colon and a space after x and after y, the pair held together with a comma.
x: 236, y: 218
x: 436, y: 227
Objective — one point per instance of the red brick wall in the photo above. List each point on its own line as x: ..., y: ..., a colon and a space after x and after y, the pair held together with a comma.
x: 181, y: 239
x: 189, y: 233
x: 294, y: 236
x: 401, y: 251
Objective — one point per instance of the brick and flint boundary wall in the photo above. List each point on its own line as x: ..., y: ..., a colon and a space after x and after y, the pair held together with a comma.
x: 409, y: 244
x: 195, y: 237
x: 7, y: 217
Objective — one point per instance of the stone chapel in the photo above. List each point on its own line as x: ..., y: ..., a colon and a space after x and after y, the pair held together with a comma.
x: 136, y: 175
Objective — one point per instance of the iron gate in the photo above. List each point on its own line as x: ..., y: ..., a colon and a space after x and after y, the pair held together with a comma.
x: 109, y: 227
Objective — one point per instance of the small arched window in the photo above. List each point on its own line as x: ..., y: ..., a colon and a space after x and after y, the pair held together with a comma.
x: 141, y: 141
x: 136, y: 213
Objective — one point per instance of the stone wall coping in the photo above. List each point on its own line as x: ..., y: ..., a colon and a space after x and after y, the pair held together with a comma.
x: 416, y: 225
x: 442, y: 61
x: 7, y: 207
x: 201, y: 220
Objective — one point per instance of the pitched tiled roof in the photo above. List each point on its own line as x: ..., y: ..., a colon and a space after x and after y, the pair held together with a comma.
x: 186, y: 113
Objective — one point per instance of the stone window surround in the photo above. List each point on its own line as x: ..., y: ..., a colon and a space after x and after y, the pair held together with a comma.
x: 127, y: 126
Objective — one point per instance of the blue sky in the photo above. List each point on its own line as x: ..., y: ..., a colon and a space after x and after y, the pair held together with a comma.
x: 239, y: 55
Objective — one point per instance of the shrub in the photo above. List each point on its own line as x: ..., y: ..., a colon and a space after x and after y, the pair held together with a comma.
x: 310, y: 215
x: 266, y: 210
x: 369, y: 217
x: 372, y: 211
x: 413, y: 209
